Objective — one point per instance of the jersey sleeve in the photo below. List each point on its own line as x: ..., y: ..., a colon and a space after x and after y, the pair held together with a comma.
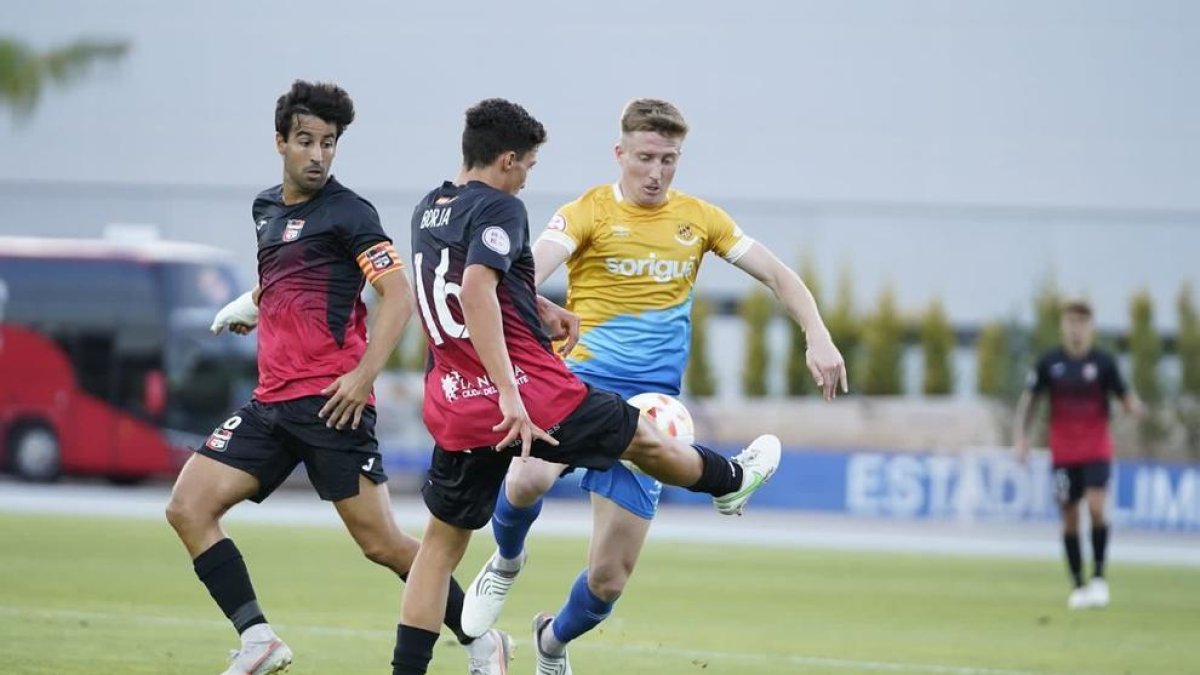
x: 725, y: 238
x: 570, y: 227
x: 1038, y: 380
x: 498, y: 235
x: 362, y: 233
x: 1113, y: 382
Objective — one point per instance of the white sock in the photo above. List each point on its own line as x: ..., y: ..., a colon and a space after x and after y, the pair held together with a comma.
x: 550, y: 644
x: 259, y: 632
x: 509, y: 564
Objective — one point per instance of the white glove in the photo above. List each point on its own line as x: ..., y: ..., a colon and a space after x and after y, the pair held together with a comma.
x: 241, y: 310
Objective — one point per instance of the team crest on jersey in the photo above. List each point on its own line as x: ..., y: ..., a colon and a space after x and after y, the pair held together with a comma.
x: 684, y: 234
x: 291, y: 232
x: 1090, y: 372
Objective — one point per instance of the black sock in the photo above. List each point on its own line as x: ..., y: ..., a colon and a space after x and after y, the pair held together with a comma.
x: 454, y: 605
x: 1099, y: 548
x: 719, y: 476
x: 224, y: 573
x: 1074, y: 557
x: 414, y: 650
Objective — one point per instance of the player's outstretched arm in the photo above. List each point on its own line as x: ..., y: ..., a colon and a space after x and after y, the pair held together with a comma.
x: 825, y: 362
x: 348, y: 394
x: 485, y: 328
x: 548, y: 256
x: 562, y: 325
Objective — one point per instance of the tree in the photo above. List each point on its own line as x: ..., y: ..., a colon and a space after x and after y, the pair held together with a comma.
x: 699, y: 376
x: 1187, y: 347
x: 937, y: 345
x: 1187, y: 343
x: 757, y: 309
x: 799, y: 380
x: 883, y: 341
x: 1047, y: 312
x: 993, y: 362
x: 26, y: 72
x: 1145, y: 350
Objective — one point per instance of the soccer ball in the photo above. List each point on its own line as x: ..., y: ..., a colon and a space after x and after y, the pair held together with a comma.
x: 668, y: 414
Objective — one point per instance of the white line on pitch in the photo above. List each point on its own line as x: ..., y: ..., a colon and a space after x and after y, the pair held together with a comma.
x: 338, y: 631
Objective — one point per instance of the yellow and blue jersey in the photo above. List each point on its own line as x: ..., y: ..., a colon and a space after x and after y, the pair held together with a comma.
x: 631, y: 273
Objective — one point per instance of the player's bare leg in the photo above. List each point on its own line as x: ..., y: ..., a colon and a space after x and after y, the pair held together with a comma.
x: 205, y: 490
x: 1078, y: 599
x: 368, y: 518
x: 618, y: 537
x: 518, y: 505
x: 731, y: 482
x: 1097, y: 501
x: 424, y: 604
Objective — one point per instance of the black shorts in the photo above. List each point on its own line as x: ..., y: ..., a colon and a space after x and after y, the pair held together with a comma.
x: 463, y: 485
x: 1071, y: 481
x: 268, y: 440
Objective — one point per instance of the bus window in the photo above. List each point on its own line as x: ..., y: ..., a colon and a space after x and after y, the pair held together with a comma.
x: 105, y: 314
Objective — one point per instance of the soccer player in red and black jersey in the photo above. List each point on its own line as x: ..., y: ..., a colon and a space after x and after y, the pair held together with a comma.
x: 319, y: 244
x: 1079, y: 379
x: 495, y: 389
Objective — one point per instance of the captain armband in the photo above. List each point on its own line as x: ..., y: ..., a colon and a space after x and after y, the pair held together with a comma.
x: 379, y: 260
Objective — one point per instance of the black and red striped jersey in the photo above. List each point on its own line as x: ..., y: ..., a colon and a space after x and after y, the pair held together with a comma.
x: 313, y: 259
x: 454, y: 227
x: 1079, y: 390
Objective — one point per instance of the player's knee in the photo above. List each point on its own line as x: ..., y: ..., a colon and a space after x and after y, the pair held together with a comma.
x: 393, y: 552
x: 526, y: 488
x: 648, y: 444
x: 607, y: 582
x: 387, y: 556
x: 185, y: 515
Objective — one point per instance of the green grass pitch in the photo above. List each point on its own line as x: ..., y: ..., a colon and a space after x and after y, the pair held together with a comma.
x: 96, y: 596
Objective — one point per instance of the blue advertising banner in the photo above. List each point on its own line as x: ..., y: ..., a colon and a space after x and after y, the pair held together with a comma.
x: 977, y: 484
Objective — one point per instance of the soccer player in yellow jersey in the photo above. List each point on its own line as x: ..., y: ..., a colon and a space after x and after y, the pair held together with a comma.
x: 633, y: 249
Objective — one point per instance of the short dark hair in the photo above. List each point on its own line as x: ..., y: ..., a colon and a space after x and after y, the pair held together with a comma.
x: 325, y: 100
x: 1078, y: 307
x: 496, y: 126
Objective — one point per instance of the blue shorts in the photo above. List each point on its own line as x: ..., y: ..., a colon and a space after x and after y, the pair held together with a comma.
x: 632, y: 490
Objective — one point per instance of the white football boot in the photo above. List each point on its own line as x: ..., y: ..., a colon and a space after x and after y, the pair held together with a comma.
x: 1097, y: 590
x: 759, y: 461
x: 260, y: 658
x: 484, y: 598
x: 490, y: 653
x: 1079, y: 598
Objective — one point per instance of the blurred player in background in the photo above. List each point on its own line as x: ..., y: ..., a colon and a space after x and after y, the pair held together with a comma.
x: 633, y: 249
x: 496, y: 388
x: 318, y: 244
x: 1079, y: 379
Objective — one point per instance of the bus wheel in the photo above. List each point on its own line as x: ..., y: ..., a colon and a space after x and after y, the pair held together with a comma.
x: 34, y: 454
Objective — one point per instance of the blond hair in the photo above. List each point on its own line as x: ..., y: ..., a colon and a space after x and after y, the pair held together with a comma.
x: 652, y: 114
